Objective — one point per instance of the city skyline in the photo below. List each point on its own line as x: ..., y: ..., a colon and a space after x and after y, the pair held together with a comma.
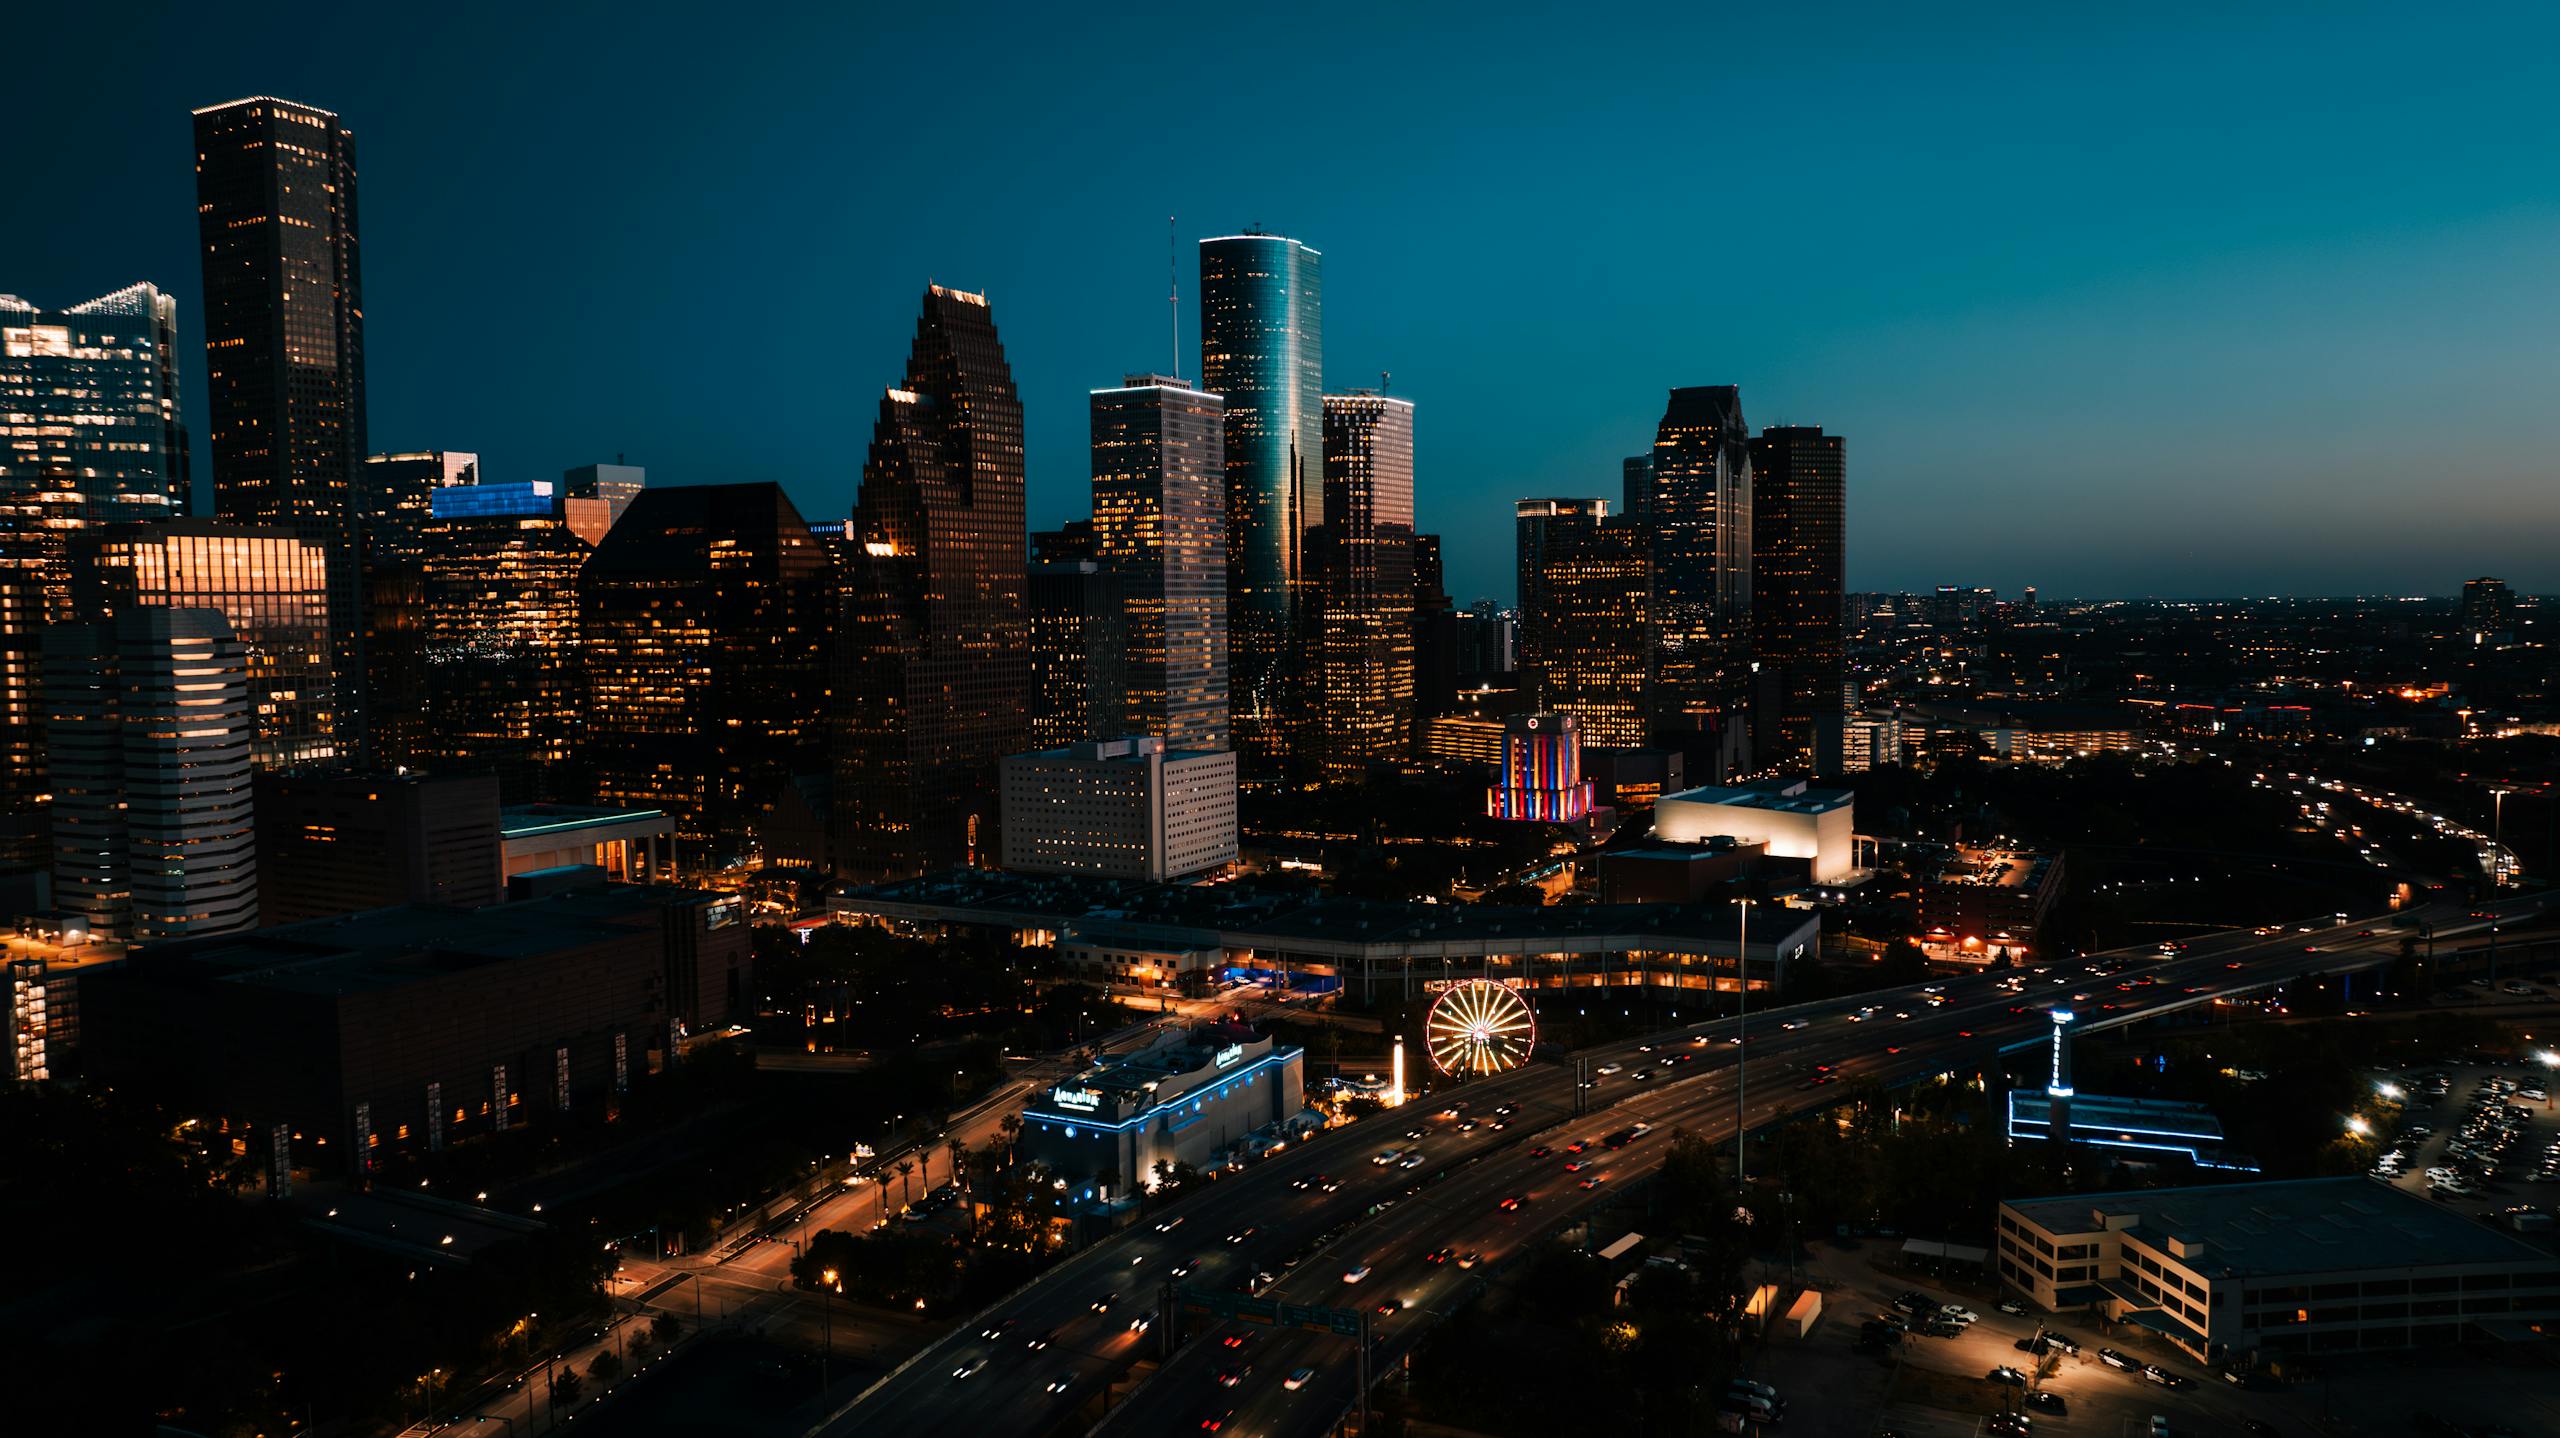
x: 2002, y: 350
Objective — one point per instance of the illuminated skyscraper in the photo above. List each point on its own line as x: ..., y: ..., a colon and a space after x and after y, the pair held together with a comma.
x: 498, y: 635
x: 1159, y: 529
x: 1541, y: 775
x: 1537, y: 522
x: 703, y: 624
x: 597, y: 494
x: 284, y: 343
x: 1799, y: 496
x: 397, y: 497
x: 1074, y: 616
x: 89, y: 434
x: 149, y: 731
x: 269, y: 585
x: 1364, y: 646
x: 1635, y: 479
x: 933, y: 657
x: 1595, y: 648
x: 1262, y: 351
x: 1700, y: 520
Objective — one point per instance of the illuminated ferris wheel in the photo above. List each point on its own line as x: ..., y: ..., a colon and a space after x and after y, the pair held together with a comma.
x: 1480, y: 1028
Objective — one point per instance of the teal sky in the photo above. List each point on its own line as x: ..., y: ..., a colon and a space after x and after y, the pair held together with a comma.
x: 2171, y: 300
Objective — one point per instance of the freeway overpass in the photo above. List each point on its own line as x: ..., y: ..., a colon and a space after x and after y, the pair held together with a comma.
x: 1388, y: 1219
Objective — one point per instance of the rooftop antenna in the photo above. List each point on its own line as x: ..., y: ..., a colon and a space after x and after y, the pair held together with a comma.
x: 1383, y: 377
x: 1173, y: 291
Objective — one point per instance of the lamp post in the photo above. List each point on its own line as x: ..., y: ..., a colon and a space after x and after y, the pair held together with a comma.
x: 2497, y: 870
x: 1742, y: 1045
x: 826, y: 1324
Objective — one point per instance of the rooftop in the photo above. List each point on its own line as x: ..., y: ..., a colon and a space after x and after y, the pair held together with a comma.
x: 1775, y: 795
x: 2292, y: 1226
x: 518, y: 821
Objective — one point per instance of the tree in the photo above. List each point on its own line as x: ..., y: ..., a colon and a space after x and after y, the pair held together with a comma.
x: 565, y: 1388
x: 666, y: 1328
x: 906, y: 1190
x: 606, y: 1367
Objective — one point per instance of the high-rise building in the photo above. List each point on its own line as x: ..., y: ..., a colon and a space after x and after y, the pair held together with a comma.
x: 933, y: 659
x: 1436, y: 642
x: 1535, y: 522
x: 1159, y: 528
x: 497, y: 622
x: 89, y: 434
x: 703, y: 626
x: 1262, y: 351
x: 1635, y: 479
x: 1126, y: 808
x: 1595, y: 650
x: 270, y: 585
x: 1541, y: 775
x: 149, y: 734
x: 2488, y: 607
x: 1364, y: 645
x: 284, y: 343
x: 398, y: 496
x: 1074, y: 609
x: 331, y: 844
x: 597, y: 494
x: 1799, y: 496
x: 1701, y: 526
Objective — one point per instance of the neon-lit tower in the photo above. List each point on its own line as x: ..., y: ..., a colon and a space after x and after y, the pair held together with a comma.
x: 2057, y: 1088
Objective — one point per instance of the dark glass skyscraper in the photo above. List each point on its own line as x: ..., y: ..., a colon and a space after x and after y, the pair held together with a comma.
x: 284, y: 342
x: 1595, y: 650
x: 1074, y: 613
x: 504, y: 687
x: 1799, y: 495
x: 1635, y: 481
x: 1262, y: 351
x: 1159, y: 528
x: 933, y: 660
x: 703, y: 623
x: 1700, y: 521
x: 1364, y: 648
x: 1537, y: 523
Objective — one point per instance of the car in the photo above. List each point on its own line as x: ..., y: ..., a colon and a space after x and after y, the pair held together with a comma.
x: 1958, y: 1312
x: 1241, y: 1234
x: 2063, y: 1341
x: 1451, y: 1111
x: 1103, y: 1304
x: 2113, y: 1359
x: 972, y: 1368
x: 1235, y: 1340
x: 1170, y: 1224
x: 1216, y: 1419
x: 1469, y: 1259
x: 1297, y: 1379
x: 1440, y: 1255
x: 1411, y: 1160
x: 2160, y: 1427
x: 1181, y: 1270
x: 2006, y: 1374
x: 1606, y: 1069
x: 1512, y: 1204
x: 1390, y: 1306
x: 1329, y: 1184
x: 1595, y: 1180
x: 1413, y: 1133
x: 1039, y: 1341
x: 997, y: 1330
x: 1386, y: 1156
x: 1230, y: 1377
x: 1142, y: 1323
x: 1356, y: 1274
x: 2046, y: 1401
x: 1542, y: 1151
x: 2013, y: 1307
x: 2162, y: 1376
x: 1792, y: 1025
x: 1059, y: 1385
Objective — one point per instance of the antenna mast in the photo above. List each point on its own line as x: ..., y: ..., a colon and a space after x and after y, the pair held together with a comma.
x: 1173, y: 292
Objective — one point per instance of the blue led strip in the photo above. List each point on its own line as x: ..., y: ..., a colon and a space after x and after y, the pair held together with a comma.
x: 1197, y: 1095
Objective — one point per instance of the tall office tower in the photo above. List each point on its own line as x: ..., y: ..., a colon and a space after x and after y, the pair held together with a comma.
x: 1262, y: 351
x: 934, y: 671
x: 1073, y: 607
x: 148, y: 724
x: 89, y: 434
x: 284, y: 345
x: 1595, y: 649
x: 269, y: 585
x: 497, y: 620
x: 1160, y: 527
x: 1635, y: 480
x: 1536, y: 523
x: 2488, y: 607
x: 597, y: 494
x: 1364, y: 646
x: 1701, y: 526
x: 1435, y: 633
x: 398, y: 494
x: 1799, y: 506
x: 703, y: 625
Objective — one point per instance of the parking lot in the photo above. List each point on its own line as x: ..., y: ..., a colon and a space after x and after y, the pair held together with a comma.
x: 1932, y: 1387
x: 2481, y: 1140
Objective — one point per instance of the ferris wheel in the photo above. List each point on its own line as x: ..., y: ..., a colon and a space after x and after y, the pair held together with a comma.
x: 1479, y: 1028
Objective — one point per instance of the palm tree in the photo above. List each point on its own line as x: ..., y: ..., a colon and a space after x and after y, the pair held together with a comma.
x: 906, y: 1191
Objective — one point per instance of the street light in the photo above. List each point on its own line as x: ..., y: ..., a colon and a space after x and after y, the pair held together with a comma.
x: 2390, y: 1091
x: 2356, y: 1125
x: 1742, y: 1044
x: 827, y: 1289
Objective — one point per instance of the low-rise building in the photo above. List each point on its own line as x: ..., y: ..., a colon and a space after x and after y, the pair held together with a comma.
x: 1986, y: 904
x: 1191, y: 1098
x: 1793, y: 819
x: 2303, y: 1266
x: 1124, y: 808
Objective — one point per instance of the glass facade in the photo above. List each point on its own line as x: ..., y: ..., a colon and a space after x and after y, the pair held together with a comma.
x: 1537, y: 523
x: 1594, y: 626
x: 284, y: 341
x: 1159, y: 525
x: 1262, y: 351
x: 1364, y: 647
x: 934, y: 666
x: 498, y: 637
x: 1799, y: 492
x: 271, y: 586
x: 399, y: 494
x: 1701, y: 524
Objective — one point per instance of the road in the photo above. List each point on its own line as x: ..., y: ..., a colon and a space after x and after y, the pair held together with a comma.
x: 1452, y: 1200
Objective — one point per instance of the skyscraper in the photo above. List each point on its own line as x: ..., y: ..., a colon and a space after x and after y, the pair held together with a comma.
x: 1700, y: 520
x: 1595, y: 649
x: 933, y: 660
x: 1364, y: 648
x: 1262, y: 351
x: 1535, y: 523
x: 284, y: 343
x: 504, y: 688
x: 703, y: 624
x: 89, y: 434
x: 1159, y: 528
x: 2488, y: 607
x: 1073, y: 607
x: 597, y: 494
x: 1635, y: 480
x: 270, y: 585
x: 1799, y: 494
x: 149, y: 733
x: 397, y: 497
x: 1435, y: 633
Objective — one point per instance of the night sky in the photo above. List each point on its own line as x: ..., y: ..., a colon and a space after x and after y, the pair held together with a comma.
x: 2165, y: 302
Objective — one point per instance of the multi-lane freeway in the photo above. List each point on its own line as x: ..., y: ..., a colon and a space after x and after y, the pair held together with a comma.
x: 1034, y: 1361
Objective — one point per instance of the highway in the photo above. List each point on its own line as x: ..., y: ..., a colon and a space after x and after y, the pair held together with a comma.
x: 1259, y: 1218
